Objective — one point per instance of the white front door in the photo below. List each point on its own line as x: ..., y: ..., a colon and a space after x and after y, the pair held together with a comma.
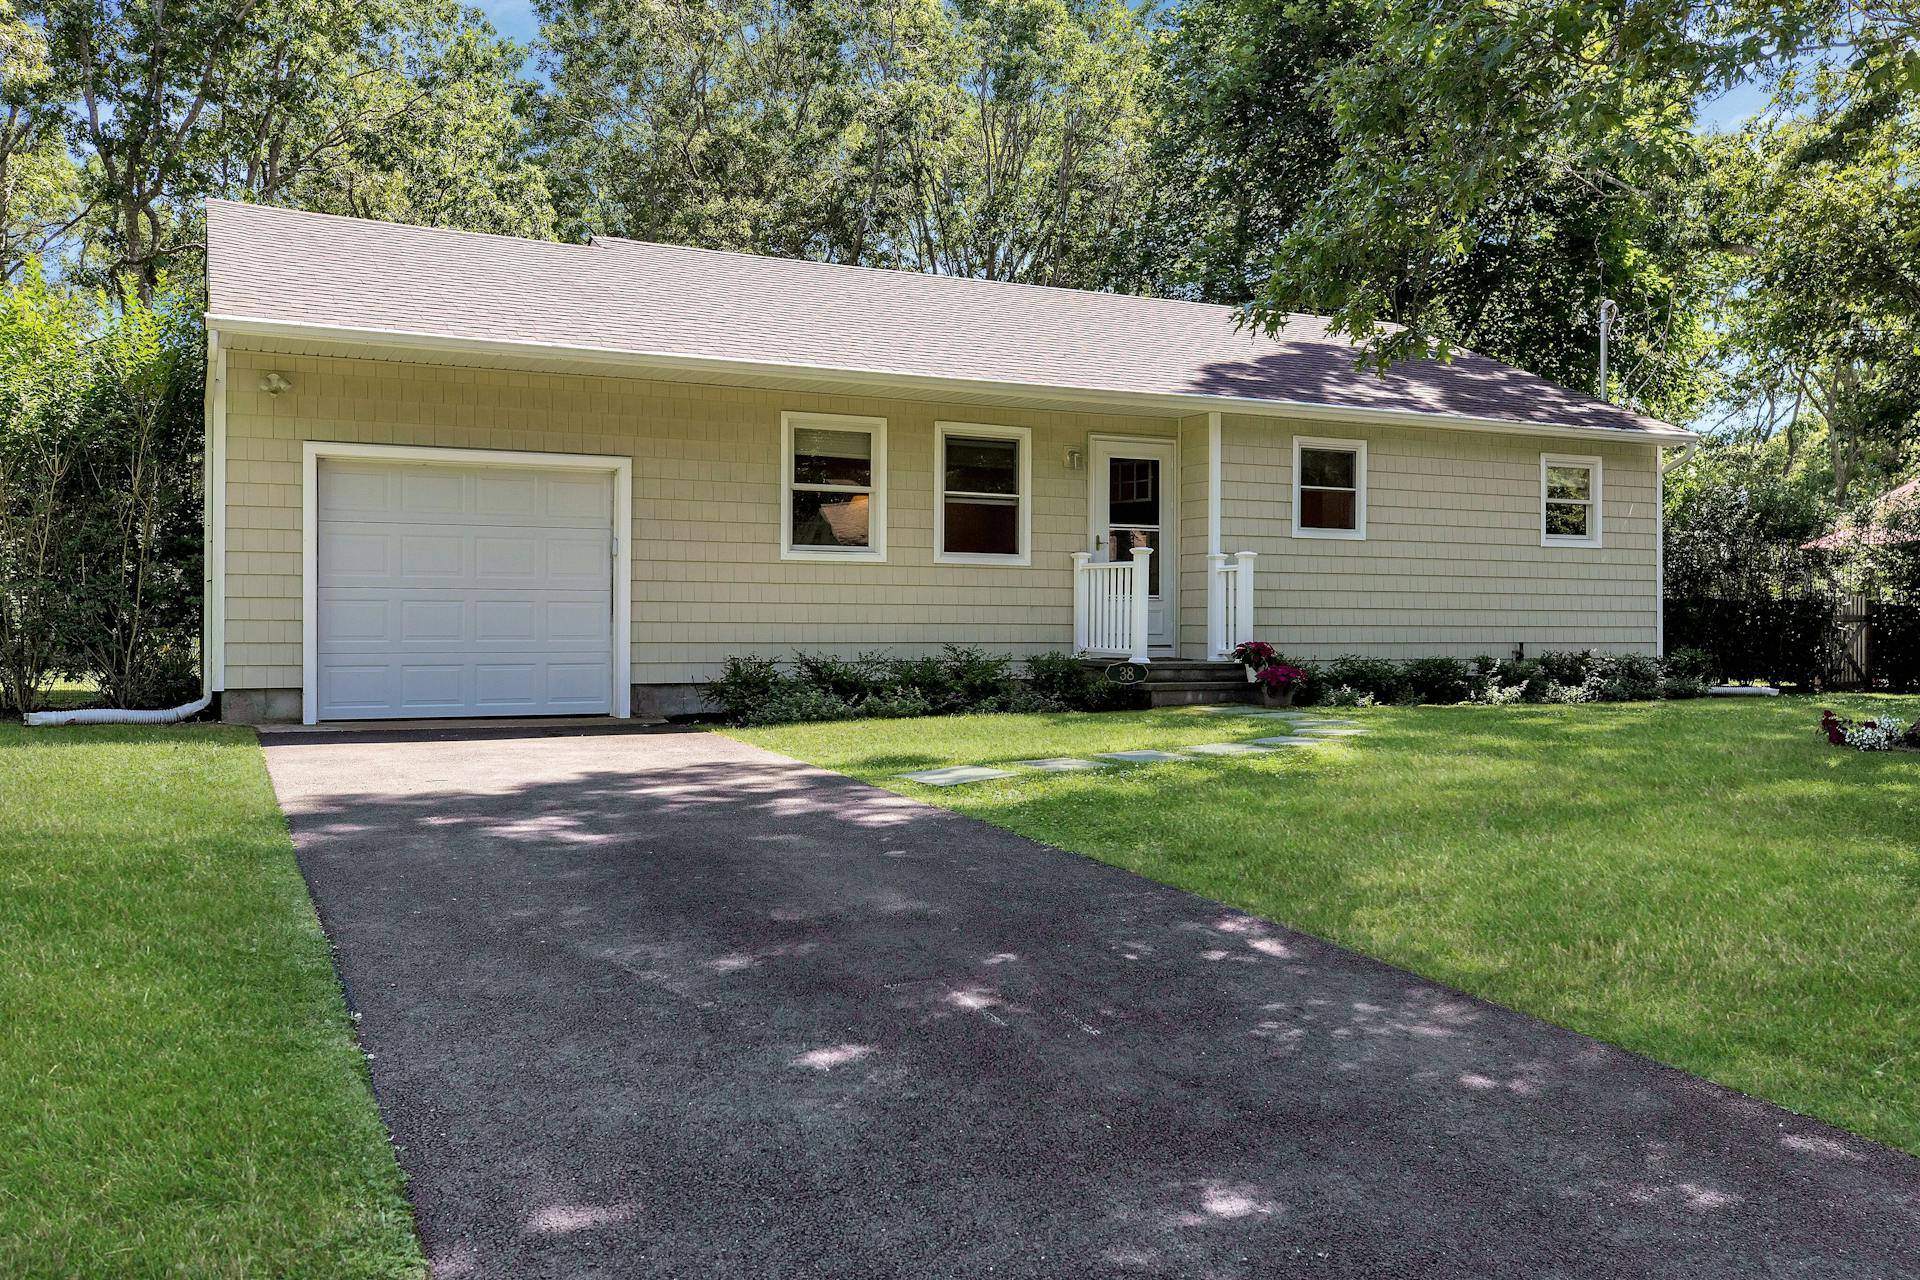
x: 1133, y: 501
x: 447, y: 590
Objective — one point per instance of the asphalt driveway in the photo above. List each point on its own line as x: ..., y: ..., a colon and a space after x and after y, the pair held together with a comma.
x: 668, y: 1005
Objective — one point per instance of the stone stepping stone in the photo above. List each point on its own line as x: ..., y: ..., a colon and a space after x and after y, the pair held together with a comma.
x: 1228, y: 749
x: 1331, y: 732
x: 955, y: 775
x: 1060, y: 764
x: 1230, y: 709
x: 1139, y: 757
x: 1304, y: 722
x: 1288, y: 742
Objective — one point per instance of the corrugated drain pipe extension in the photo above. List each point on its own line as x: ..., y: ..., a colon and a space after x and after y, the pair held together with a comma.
x: 172, y: 715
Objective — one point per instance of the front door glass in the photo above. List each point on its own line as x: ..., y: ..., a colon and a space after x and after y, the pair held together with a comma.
x: 1133, y: 512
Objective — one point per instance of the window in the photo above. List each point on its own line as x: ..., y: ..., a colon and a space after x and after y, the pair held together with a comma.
x: 982, y: 480
x: 833, y: 494
x: 1569, y: 501
x: 1329, y: 488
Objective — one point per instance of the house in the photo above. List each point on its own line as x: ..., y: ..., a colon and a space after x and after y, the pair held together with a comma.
x: 1890, y: 523
x: 458, y: 474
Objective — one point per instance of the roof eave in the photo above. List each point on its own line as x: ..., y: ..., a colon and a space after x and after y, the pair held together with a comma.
x: 883, y: 381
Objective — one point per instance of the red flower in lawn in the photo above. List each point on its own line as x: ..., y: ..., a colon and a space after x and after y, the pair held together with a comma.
x: 1834, y: 727
x: 1280, y: 676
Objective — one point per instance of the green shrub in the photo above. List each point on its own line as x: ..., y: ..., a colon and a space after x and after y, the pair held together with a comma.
x: 1060, y: 681
x: 1380, y: 677
x: 924, y: 676
x: 1624, y: 677
x: 744, y: 683
x: 1687, y: 673
x: 1566, y: 666
x: 1438, y: 680
x: 793, y: 702
x: 848, y: 679
x: 980, y: 681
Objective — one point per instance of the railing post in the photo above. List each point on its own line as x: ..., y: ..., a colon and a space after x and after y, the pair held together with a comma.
x: 1243, y: 616
x: 1141, y: 602
x: 1080, y: 639
x: 1217, y: 642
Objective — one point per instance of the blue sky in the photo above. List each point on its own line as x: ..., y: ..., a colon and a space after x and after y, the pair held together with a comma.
x: 514, y: 18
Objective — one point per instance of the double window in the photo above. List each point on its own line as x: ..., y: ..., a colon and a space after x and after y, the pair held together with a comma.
x: 1569, y: 501
x: 833, y: 492
x: 982, y: 504
x: 1329, y: 488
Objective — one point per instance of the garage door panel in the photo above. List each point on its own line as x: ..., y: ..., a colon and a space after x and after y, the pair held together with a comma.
x: 432, y: 621
x: 463, y: 591
x: 518, y: 621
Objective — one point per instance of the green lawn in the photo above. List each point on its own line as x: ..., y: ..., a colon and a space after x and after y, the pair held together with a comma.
x: 180, y: 1094
x: 1708, y: 883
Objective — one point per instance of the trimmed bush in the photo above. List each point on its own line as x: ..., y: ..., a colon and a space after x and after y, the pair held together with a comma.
x: 1440, y: 680
x: 1380, y: 677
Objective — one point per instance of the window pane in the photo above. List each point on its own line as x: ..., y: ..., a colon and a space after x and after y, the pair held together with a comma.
x: 983, y: 466
x: 1133, y: 491
x: 983, y: 526
x: 1331, y: 468
x: 1567, y: 519
x: 1569, y: 482
x: 829, y: 519
x: 1328, y: 509
x: 1122, y: 542
x: 832, y: 457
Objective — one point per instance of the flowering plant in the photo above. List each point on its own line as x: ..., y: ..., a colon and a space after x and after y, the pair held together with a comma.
x: 1254, y: 654
x: 1279, y: 675
x: 1882, y: 733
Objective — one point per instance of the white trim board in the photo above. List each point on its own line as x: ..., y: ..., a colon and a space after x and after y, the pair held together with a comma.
x: 620, y: 468
x: 638, y: 363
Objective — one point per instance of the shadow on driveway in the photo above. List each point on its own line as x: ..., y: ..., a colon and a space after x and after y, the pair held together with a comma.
x: 674, y: 1006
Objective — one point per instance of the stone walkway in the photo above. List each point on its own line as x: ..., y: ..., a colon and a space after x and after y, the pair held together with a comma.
x: 1304, y: 729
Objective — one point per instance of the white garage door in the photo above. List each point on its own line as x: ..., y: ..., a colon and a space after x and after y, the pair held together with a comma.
x: 462, y: 591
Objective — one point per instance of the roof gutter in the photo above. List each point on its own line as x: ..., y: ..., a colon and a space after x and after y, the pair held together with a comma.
x: 1134, y: 401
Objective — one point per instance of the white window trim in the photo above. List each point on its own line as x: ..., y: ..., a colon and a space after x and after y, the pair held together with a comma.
x: 1023, y: 436
x: 875, y: 552
x: 1358, y: 448
x: 620, y: 468
x: 1594, y: 506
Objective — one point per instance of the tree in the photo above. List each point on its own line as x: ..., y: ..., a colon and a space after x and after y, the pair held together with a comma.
x: 1256, y: 140
x: 1454, y: 102
x: 989, y: 138
x: 404, y: 108
x: 1820, y: 306
x: 37, y: 179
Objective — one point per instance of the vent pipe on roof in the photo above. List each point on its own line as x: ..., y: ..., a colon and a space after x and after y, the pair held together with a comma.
x: 1609, y: 312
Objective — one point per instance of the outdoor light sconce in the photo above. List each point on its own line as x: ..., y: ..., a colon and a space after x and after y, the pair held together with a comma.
x: 275, y: 383
x: 1075, y: 459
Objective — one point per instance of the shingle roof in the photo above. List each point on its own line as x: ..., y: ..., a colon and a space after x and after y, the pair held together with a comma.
x: 624, y: 296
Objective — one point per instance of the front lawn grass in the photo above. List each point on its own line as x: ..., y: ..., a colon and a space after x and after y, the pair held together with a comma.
x: 180, y: 1093
x: 1707, y: 883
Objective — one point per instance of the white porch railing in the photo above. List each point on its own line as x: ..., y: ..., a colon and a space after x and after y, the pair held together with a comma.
x: 1110, y: 605
x: 1229, y: 601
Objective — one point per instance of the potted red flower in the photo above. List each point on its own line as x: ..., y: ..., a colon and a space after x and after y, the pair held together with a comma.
x: 1278, y: 683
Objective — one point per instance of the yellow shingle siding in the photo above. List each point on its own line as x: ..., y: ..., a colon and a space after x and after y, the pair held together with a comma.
x: 708, y: 577
x: 1452, y: 561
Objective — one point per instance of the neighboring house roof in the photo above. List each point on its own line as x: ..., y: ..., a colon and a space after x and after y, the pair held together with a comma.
x: 1876, y: 533
x: 277, y: 270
